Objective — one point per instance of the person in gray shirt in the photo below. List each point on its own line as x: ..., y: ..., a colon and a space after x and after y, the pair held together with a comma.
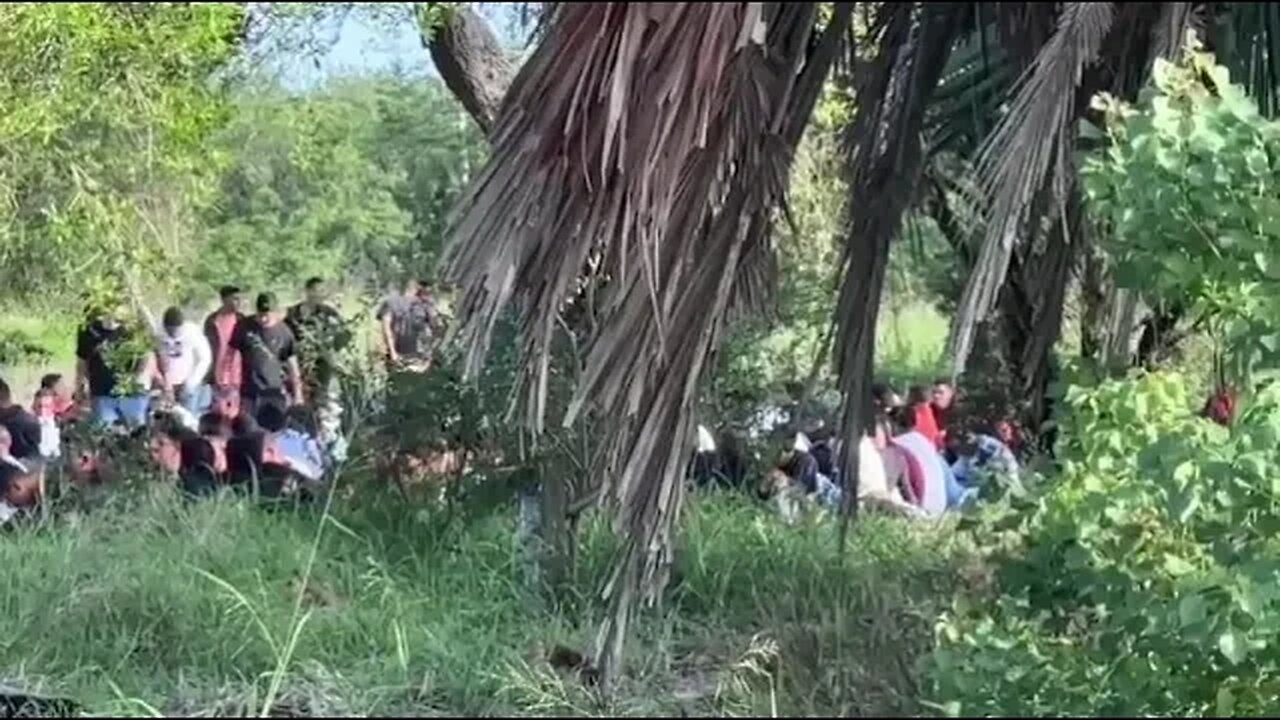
x: 409, y: 322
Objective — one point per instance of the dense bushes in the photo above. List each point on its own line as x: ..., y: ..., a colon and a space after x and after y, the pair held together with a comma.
x: 1143, y: 578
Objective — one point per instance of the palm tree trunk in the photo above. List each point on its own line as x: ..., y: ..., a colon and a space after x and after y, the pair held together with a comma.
x: 885, y: 163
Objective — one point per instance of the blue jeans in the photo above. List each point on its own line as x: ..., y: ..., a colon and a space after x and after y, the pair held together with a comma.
x: 131, y: 411
x: 196, y: 402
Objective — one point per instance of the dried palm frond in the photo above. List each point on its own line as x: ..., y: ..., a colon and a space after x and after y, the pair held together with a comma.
x: 885, y: 160
x: 1031, y: 140
x: 757, y: 273
x: 652, y: 134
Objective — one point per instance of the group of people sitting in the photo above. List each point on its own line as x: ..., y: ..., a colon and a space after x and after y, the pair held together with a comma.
x: 914, y: 463
x: 247, y: 400
x: 275, y: 452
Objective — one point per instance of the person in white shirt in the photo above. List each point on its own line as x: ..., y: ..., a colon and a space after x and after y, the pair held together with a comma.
x: 185, y: 359
x: 934, y: 498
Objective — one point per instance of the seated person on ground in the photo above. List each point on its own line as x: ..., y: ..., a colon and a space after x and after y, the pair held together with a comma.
x: 50, y: 433
x: 875, y: 489
x: 926, y: 423
x: 822, y: 448
x: 977, y: 451
x: 179, y: 451
x: 299, y: 449
x: 717, y: 462
x: 21, y: 483
x: 217, y: 430
x: 933, y: 470
x: 942, y: 400
x: 24, y: 429
x: 65, y: 409
x: 255, y: 460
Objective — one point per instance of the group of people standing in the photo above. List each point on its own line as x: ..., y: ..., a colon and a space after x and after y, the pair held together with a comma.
x: 246, y: 394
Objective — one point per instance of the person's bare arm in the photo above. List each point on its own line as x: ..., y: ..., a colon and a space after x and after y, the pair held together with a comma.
x: 81, y: 389
x: 295, y: 379
x: 388, y: 337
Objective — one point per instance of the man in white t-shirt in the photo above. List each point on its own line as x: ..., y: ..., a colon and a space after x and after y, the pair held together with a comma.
x: 185, y: 359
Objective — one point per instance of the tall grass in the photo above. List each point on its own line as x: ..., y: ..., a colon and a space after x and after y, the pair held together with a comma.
x: 154, y: 605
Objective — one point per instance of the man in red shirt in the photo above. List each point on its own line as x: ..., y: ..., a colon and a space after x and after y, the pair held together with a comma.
x: 925, y: 422
x: 219, y: 328
x: 941, y: 400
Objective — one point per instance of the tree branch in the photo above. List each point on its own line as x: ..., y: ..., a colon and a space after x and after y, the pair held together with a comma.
x: 472, y: 62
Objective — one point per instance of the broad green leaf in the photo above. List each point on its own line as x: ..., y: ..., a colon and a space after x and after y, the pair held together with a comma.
x: 1232, y: 646
x: 1225, y: 702
x: 1191, y: 609
x: 1177, y: 566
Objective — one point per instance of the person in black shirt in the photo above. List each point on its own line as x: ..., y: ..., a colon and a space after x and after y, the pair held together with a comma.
x: 24, y: 429
x: 106, y: 380
x: 21, y: 484
x: 268, y: 349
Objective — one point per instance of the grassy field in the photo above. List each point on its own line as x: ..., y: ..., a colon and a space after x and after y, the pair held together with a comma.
x: 153, y: 606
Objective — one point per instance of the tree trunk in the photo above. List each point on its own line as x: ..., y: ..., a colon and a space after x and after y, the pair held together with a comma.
x: 472, y: 62
x: 557, y: 537
x: 1093, y: 293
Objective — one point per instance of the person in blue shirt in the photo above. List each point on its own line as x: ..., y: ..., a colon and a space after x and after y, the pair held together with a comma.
x: 975, y: 452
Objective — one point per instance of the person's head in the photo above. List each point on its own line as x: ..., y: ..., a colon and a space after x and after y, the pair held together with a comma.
x: 903, y: 419
x: 172, y: 321
x: 109, y: 315
x: 44, y: 404
x: 248, y: 453
x: 166, y: 445
x: 53, y: 382
x: 412, y: 287
x: 315, y: 291
x: 214, y: 424
x: 963, y: 443
x: 884, y: 397
x: 197, y: 455
x: 6, y: 395
x: 271, y: 418
x: 243, y: 424
x: 230, y: 296
x: 916, y: 395
x: 265, y: 305
x: 425, y: 290
x: 943, y: 393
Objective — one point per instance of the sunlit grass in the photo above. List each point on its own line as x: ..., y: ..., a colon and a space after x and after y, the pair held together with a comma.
x: 910, y: 340
x: 156, y: 605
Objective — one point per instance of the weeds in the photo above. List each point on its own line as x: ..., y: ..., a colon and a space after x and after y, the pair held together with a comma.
x: 223, y: 607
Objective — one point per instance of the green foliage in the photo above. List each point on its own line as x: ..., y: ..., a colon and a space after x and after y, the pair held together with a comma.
x: 1187, y: 184
x: 1139, y: 582
x: 351, y: 180
x: 107, y: 108
x: 763, y: 355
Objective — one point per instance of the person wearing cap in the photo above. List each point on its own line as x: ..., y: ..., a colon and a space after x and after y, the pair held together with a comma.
x: 219, y: 328
x: 269, y: 358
